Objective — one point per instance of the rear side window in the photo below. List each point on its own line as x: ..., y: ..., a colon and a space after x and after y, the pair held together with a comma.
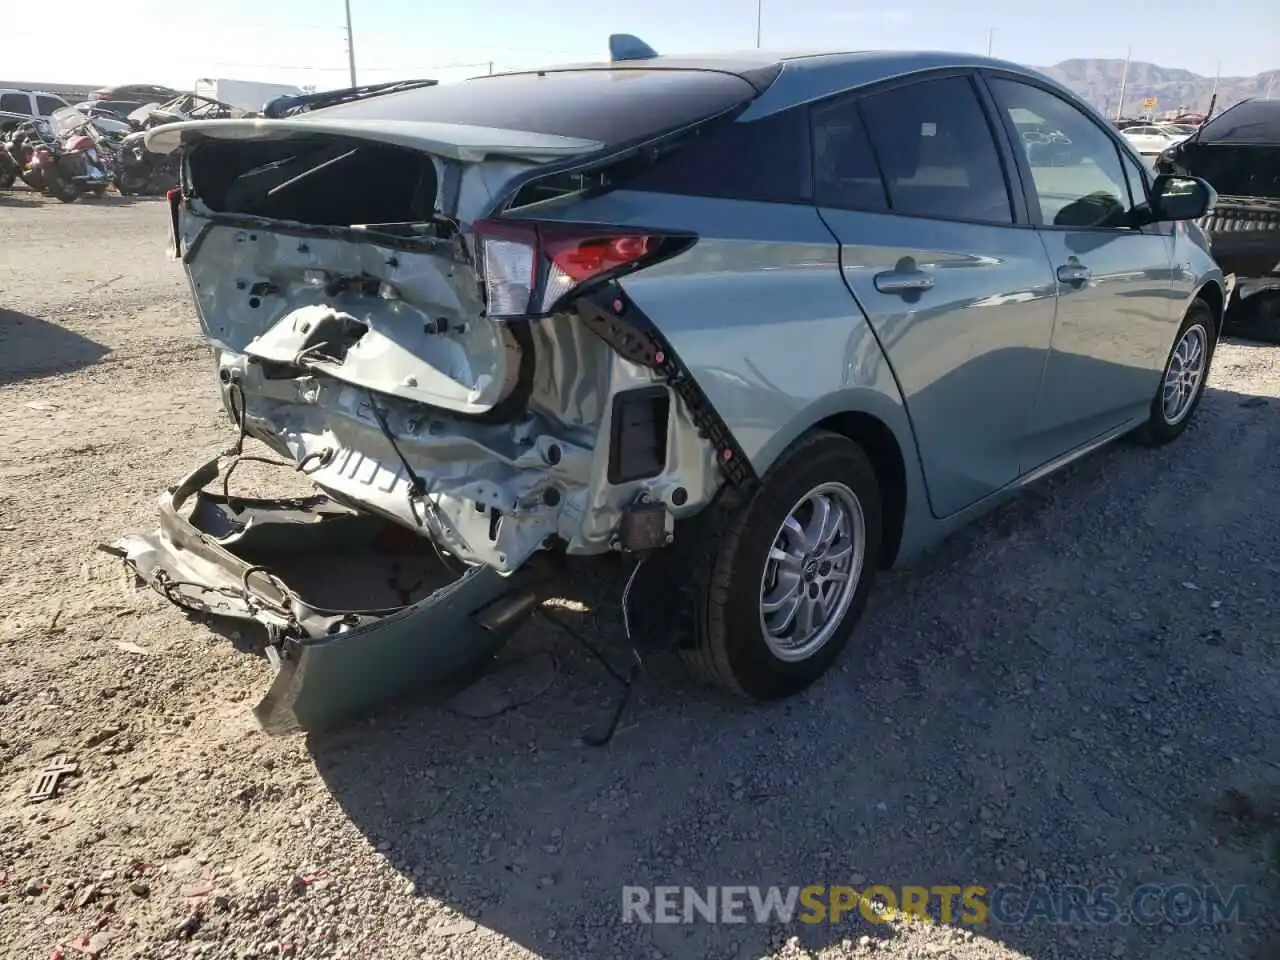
x: 15, y: 103
x: 937, y: 152
x: 844, y: 166
x: 764, y: 160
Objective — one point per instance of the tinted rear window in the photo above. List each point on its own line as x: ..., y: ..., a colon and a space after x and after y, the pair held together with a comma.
x: 611, y: 106
x: 1253, y: 121
x: 766, y: 160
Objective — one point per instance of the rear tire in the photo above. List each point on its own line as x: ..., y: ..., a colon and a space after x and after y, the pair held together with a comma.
x: 782, y: 591
x: 1182, y: 383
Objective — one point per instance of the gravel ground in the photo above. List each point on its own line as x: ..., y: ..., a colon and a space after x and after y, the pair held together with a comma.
x: 1082, y: 690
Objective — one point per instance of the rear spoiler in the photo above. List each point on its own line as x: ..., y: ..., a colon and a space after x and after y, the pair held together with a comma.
x: 456, y: 141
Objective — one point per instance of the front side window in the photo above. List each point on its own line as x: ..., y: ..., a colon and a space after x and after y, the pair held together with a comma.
x: 1075, y: 165
x: 1137, y: 180
x: 937, y: 152
x: 49, y: 104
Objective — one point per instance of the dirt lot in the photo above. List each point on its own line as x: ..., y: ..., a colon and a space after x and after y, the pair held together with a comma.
x: 1084, y: 690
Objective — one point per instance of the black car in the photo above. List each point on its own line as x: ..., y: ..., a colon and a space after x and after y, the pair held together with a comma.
x: 1238, y: 152
x: 112, y: 109
x: 139, y: 92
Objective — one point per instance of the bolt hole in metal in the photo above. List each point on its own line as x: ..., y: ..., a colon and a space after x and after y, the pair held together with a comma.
x: 812, y: 572
x: 1186, y: 370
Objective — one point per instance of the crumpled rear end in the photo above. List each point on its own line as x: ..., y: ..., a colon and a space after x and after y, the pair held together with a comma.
x: 356, y: 611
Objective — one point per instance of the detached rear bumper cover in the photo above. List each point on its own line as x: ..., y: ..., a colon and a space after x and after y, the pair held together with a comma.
x: 331, y: 665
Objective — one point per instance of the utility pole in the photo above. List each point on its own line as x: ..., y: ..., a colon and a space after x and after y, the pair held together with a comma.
x: 1217, y: 75
x: 351, y: 45
x: 991, y: 36
x: 759, y: 4
x: 1124, y: 84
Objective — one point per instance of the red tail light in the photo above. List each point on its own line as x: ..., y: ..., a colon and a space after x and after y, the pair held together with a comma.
x: 530, y: 268
x: 580, y: 259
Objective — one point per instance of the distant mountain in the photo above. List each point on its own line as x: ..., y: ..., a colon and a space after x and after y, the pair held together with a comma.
x: 1098, y: 81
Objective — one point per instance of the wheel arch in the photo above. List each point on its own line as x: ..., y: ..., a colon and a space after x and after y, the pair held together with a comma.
x: 874, y: 421
x: 881, y: 447
x: 1213, y: 293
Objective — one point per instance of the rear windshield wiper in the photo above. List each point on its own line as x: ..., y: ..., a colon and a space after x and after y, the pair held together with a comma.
x: 302, y: 103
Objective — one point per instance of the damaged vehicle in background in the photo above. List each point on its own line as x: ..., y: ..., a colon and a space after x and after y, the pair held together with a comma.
x: 1238, y: 152
x: 776, y: 322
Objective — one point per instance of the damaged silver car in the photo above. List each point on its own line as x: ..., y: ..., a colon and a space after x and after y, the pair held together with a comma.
x: 782, y: 321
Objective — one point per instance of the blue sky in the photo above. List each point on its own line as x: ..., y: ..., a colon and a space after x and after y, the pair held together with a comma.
x: 304, y: 41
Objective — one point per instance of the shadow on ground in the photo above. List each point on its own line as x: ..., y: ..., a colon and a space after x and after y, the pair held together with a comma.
x: 31, y: 347
x: 1027, y: 715
x: 18, y: 200
x: 1256, y: 321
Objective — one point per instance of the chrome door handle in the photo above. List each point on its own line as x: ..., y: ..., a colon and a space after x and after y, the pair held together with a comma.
x: 896, y: 281
x: 1073, y: 273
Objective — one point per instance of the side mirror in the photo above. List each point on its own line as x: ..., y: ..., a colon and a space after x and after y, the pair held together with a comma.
x: 1180, y: 198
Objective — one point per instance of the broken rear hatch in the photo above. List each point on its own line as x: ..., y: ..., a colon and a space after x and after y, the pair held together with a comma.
x: 377, y: 322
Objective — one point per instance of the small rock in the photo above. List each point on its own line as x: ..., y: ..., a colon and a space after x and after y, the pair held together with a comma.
x: 188, y: 927
x: 140, y: 888
x: 456, y: 928
x: 858, y: 879
x: 85, y: 896
x: 201, y: 888
x: 102, y: 736
x: 33, y: 889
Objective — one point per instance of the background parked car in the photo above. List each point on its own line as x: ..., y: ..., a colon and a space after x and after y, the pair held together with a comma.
x: 140, y: 92
x: 1150, y: 140
x: 31, y: 103
x: 114, y: 109
x: 1238, y: 152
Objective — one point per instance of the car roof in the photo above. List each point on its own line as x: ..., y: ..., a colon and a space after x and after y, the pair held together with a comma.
x: 1252, y: 120
x: 784, y: 79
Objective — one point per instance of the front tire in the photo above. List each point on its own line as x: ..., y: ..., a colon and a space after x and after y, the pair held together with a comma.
x: 791, y: 572
x: 64, y: 191
x: 1183, y: 381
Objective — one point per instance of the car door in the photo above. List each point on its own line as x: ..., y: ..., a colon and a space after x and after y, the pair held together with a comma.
x: 913, y: 181
x: 1116, y: 310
